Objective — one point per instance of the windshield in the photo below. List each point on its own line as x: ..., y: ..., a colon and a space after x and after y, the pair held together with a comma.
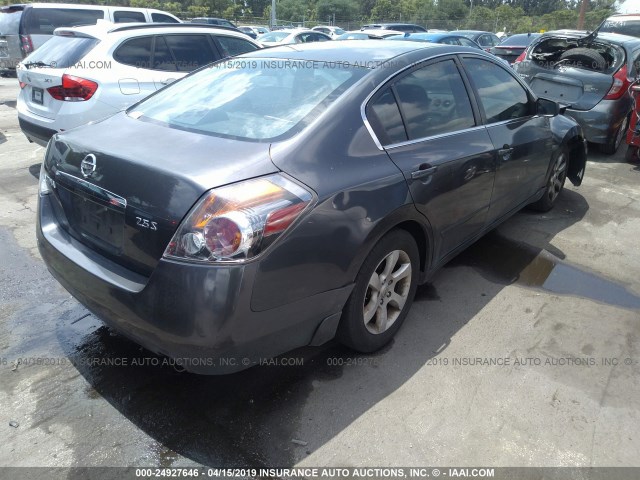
x: 273, y: 37
x: 62, y: 52
x: 249, y: 99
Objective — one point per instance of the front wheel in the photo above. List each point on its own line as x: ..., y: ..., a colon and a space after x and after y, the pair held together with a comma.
x: 555, y: 183
x: 383, y: 293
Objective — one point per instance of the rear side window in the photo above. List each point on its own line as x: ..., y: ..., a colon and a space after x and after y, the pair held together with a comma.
x: 501, y: 95
x: 123, y: 16
x: 231, y: 46
x: 135, y: 52
x: 162, y: 18
x: 385, y: 119
x: 63, y: 52
x: 43, y: 21
x: 191, y: 51
x: 433, y: 101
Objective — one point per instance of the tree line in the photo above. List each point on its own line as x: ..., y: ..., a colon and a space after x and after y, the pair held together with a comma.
x: 514, y: 16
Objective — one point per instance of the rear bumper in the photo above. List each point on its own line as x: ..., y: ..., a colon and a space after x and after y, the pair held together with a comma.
x: 601, y: 123
x: 200, y: 316
x: 36, y: 133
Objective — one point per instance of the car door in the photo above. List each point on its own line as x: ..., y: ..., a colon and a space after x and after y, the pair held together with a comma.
x: 521, y: 137
x: 429, y: 128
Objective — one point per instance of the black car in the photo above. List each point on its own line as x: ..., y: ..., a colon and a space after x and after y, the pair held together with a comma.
x: 291, y: 195
x: 514, y: 46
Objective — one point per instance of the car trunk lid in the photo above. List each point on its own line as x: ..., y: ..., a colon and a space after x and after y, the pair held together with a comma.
x: 126, y: 203
x: 580, y: 88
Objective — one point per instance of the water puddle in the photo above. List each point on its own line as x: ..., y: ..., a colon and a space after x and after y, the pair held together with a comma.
x: 506, y: 261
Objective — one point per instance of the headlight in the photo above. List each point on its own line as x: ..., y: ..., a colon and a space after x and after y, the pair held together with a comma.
x: 237, y: 222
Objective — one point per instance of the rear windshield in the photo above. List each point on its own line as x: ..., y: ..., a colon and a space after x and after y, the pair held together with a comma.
x: 43, y: 21
x: 518, y: 40
x: 621, y: 26
x: 62, y: 52
x: 249, y: 99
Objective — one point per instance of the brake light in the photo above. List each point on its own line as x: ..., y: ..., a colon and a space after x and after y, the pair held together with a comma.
x: 22, y: 85
x: 26, y: 45
x: 521, y: 57
x: 620, y: 84
x: 237, y: 222
x: 73, y: 89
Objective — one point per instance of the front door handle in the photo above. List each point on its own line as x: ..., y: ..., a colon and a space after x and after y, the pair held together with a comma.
x: 424, y: 170
x: 505, y: 152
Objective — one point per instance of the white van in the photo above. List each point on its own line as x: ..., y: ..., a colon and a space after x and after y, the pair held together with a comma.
x: 25, y: 27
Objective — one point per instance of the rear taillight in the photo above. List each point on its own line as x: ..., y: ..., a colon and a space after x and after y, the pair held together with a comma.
x: 239, y: 221
x: 22, y: 85
x: 620, y: 84
x: 73, y: 89
x: 521, y: 57
x: 26, y: 45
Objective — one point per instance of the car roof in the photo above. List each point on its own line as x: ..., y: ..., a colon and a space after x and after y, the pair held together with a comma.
x: 355, y: 52
x: 103, y: 29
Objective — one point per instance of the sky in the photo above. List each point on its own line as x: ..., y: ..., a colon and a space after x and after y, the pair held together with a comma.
x: 629, y: 6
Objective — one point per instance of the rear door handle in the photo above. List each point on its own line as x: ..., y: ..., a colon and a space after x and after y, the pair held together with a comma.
x: 506, y: 151
x: 424, y: 170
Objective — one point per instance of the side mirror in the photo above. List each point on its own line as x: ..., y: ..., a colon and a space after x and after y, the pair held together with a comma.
x: 547, y: 107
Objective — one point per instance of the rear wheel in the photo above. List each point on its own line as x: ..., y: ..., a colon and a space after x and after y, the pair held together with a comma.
x: 555, y: 183
x: 383, y: 293
x: 584, y: 58
x: 614, y: 142
x: 631, y: 155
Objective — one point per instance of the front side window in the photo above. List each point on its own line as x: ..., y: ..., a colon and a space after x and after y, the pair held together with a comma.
x: 501, y: 95
x: 123, y: 16
x: 162, y: 18
x: 433, y: 100
x: 260, y: 100
x: 191, y: 51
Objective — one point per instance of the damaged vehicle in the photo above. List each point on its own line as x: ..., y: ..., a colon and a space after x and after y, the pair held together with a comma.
x: 259, y: 205
x: 591, y: 74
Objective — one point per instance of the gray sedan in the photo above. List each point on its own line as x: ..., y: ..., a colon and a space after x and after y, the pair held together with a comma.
x: 292, y: 195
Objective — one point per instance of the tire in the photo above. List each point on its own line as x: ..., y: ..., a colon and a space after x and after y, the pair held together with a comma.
x: 614, y: 142
x: 555, y: 182
x: 631, y: 155
x: 376, y: 308
x: 584, y: 58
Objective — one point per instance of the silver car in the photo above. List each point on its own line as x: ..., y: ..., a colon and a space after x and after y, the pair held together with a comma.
x: 591, y: 73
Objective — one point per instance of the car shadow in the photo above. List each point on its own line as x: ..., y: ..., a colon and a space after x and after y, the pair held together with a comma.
x: 275, y: 415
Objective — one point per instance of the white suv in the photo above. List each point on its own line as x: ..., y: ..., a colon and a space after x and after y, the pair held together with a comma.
x: 85, y: 74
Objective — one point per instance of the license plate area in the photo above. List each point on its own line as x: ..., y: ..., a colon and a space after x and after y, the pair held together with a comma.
x: 97, y: 223
x: 37, y: 95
